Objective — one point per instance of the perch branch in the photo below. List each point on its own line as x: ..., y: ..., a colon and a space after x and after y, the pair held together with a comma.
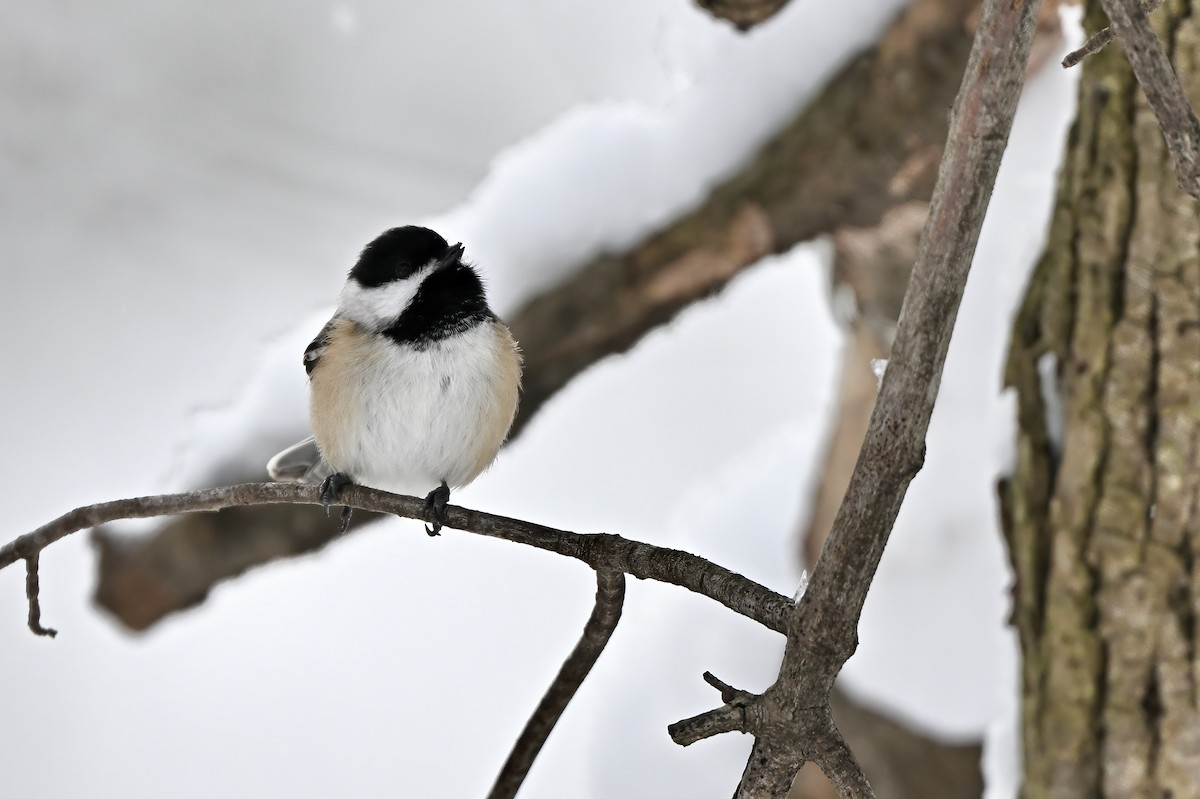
x: 601, y: 551
x: 1158, y: 80
x: 610, y: 596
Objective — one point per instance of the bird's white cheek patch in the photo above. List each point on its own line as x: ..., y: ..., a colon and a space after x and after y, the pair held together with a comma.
x: 378, y: 307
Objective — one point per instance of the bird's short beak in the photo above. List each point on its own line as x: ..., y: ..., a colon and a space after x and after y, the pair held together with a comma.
x: 452, y: 255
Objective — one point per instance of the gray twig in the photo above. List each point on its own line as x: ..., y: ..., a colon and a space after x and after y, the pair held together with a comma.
x: 1158, y: 80
x: 31, y: 594
x: 729, y: 694
x: 1100, y: 39
x: 601, y: 551
x: 610, y: 596
x: 728, y: 718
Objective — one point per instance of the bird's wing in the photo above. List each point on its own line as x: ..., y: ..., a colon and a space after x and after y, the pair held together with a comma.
x: 312, y: 355
x: 299, y: 463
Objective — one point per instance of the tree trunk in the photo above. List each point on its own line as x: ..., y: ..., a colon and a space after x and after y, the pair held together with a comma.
x: 1102, y: 512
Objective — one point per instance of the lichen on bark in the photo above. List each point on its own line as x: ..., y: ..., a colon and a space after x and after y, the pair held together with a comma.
x: 1101, y: 510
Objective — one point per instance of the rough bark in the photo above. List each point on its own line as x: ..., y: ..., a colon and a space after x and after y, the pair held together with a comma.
x: 870, y: 140
x: 1102, y: 512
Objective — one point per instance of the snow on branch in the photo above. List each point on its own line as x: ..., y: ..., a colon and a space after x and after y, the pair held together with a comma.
x: 801, y: 184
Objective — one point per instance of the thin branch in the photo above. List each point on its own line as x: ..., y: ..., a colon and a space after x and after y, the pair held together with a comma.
x: 728, y: 718
x: 610, y: 596
x: 1100, y: 39
x: 31, y: 594
x: 791, y: 720
x: 893, y: 450
x: 729, y: 694
x: 1154, y: 72
x: 601, y: 551
x: 732, y: 716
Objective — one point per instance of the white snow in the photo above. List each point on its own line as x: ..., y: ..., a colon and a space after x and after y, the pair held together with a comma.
x: 1052, y: 401
x: 801, y: 588
x: 878, y: 368
x: 185, y: 187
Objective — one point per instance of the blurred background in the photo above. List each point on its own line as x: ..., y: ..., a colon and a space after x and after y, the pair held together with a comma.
x: 183, y: 189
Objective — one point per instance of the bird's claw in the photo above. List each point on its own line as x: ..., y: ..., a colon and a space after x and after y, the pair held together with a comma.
x: 435, y: 509
x: 331, y: 488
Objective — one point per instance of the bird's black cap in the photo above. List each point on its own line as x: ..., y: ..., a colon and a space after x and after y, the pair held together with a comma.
x: 397, y: 254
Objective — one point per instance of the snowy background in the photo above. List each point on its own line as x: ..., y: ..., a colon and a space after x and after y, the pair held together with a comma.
x: 183, y: 189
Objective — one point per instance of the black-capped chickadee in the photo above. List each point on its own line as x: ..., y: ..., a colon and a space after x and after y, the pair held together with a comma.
x: 413, y: 382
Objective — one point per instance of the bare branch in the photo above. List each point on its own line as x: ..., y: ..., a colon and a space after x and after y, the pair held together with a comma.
x: 1100, y: 39
x: 601, y: 551
x: 791, y: 719
x: 729, y: 694
x: 1154, y: 72
x: 31, y: 594
x: 610, y: 596
x: 894, y: 447
x: 729, y: 718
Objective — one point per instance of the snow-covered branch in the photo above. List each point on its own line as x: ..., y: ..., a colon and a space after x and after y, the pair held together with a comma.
x: 803, y: 183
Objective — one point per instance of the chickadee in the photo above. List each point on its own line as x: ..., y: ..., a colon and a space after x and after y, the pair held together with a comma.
x: 413, y: 382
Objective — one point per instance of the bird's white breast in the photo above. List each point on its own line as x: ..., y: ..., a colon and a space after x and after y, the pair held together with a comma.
x: 403, y: 420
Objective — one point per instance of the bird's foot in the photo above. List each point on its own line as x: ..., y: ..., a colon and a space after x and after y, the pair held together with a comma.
x: 331, y: 488
x: 435, y: 508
